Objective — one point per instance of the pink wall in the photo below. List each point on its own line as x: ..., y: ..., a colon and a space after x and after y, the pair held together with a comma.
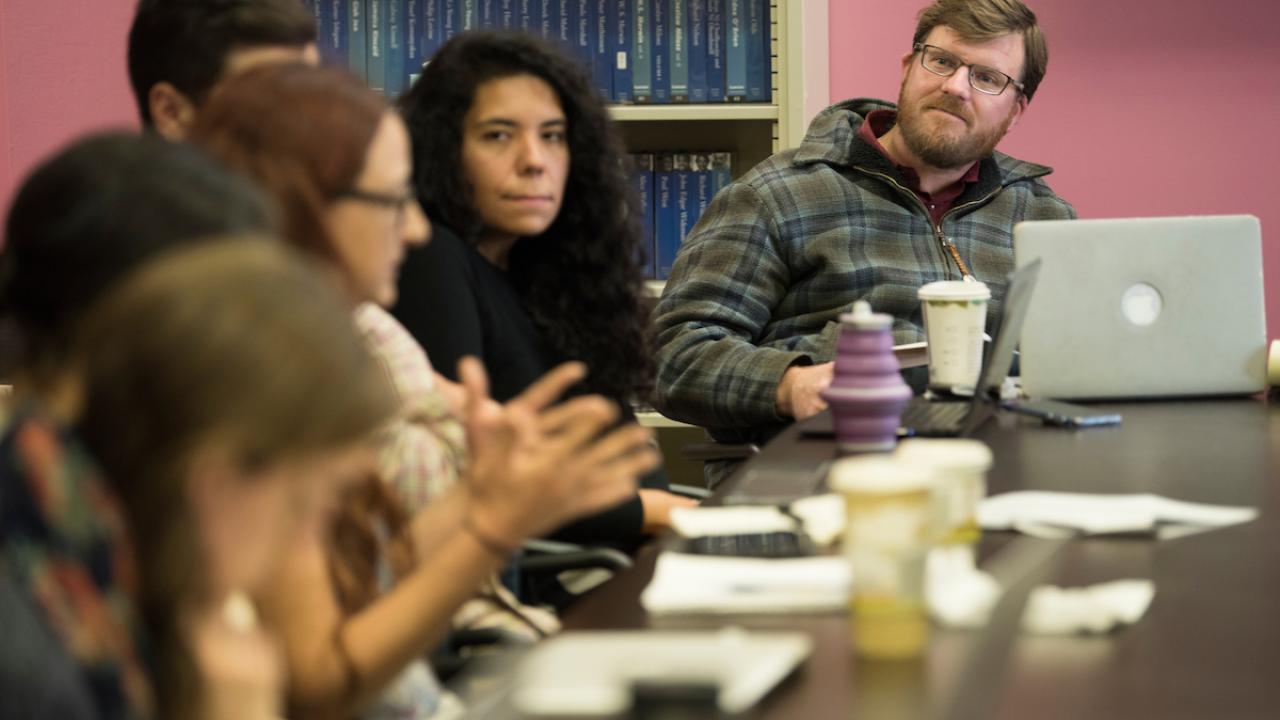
x: 4, y: 109
x: 1160, y: 108
x: 63, y: 74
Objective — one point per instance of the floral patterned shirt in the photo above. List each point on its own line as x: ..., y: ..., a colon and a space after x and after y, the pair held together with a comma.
x: 63, y: 539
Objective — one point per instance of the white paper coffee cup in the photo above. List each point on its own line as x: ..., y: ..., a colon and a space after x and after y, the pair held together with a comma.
x: 955, y: 315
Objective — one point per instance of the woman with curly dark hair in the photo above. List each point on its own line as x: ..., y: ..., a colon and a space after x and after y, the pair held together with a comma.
x: 536, y: 253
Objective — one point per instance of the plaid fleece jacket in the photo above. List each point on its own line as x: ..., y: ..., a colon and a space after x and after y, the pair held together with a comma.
x: 779, y: 254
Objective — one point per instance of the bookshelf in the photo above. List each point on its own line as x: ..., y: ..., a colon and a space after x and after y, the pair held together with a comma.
x: 720, y: 112
x: 752, y: 131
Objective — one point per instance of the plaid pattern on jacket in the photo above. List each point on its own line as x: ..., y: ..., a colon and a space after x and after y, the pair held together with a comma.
x: 779, y: 254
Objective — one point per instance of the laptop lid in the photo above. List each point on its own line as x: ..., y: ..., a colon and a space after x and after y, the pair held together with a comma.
x: 1017, y: 301
x: 1144, y: 307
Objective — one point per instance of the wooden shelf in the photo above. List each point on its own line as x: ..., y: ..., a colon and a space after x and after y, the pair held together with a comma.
x: 701, y: 113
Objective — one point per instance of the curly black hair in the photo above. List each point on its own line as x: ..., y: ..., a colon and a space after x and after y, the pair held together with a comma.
x: 581, y: 279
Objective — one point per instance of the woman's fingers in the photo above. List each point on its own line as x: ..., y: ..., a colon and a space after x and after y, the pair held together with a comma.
x: 475, y: 381
x: 551, y: 386
x: 557, y: 419
x: 617, y: 444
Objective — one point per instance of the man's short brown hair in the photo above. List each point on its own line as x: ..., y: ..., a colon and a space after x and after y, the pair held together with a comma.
x: 186, y: 42
x: 981, y: 20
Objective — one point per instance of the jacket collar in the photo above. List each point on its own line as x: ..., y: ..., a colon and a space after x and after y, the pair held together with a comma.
x: 833, y: 139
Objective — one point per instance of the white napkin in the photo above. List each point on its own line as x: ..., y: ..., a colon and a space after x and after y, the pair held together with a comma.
x: 698, y: 583
x: 822, y: 515
x: 957, y: 593
x: 960, y: 595
x: 1056, y: 514
x: 1094, y: 609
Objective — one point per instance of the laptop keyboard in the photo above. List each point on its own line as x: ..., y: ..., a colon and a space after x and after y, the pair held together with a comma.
x: 781, y: 544
x: 925, y: 417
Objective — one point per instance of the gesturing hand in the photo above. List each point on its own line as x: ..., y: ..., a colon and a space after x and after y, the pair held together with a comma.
x: 536, y: 466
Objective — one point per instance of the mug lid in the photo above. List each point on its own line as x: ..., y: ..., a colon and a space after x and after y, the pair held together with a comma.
x: 946, y: 453
x: 881, y: 475
x: 863, y: 319
x: 954, y: 290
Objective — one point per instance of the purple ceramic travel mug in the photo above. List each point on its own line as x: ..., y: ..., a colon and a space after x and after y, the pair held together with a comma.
x: 867, y: 393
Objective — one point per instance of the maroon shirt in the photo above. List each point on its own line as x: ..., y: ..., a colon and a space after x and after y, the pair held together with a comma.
x: 877, y: 123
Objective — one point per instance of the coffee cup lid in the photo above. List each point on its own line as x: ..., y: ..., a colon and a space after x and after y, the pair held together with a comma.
x: 880, y: 475
x: 946, y: 453
x: 954, y: 290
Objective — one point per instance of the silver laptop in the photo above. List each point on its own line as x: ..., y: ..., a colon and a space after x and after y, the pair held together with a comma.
x: 1145, y: 307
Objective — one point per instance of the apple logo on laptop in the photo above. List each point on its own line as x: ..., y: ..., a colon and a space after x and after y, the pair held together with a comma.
x: 1141, y: 304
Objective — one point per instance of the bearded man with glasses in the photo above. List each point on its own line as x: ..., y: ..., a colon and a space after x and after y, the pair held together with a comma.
x: 877, y: 201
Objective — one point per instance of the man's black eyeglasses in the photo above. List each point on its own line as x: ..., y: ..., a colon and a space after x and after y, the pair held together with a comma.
x: 981, y: 78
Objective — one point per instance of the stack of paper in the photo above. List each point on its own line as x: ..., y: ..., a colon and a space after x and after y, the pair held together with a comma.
x: 697, y: 583
x: 822, y: 515
x: 1057, y: 513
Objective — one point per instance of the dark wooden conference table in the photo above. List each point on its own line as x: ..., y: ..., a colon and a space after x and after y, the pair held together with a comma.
x: 1209, y: 646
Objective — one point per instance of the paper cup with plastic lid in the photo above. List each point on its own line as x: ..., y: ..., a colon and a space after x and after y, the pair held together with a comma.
x: 960, y: 468
x: 890, y: 512
x: 955, y: 316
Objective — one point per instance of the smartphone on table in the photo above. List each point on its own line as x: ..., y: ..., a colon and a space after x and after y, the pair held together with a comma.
x: 1065, y: 414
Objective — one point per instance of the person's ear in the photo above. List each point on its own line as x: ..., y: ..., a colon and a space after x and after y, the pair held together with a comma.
x: 172, y: 112
x: 906, y: 62
x: 1019, y: 107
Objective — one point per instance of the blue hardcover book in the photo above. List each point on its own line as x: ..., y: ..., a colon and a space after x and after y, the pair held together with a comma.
x: 414, y: 43
x: 528, y: 15
x: 721, y: 171
x: 357, y: 39
x: 685, y: 196
x: 759, y: 52
x: 432, y: 29
x: 331, y: 30
x: 507, y: 18
x: 602, y: 47
x: 566, y: 26
x: 468, y: 15
x: 735, y: 61
x: 643, y: 177
x: 641, y: 51
x: 337, y: 32
x: 449, y: 16
x: 621, y: 32
x: 696, y: 38
x: 581, y: 31
x: 548, y: 19
x: 678, y: 12
x: 715, y: 50
x: 665, y: 222
x: 702, y: 185
x: 489, y: 15
x: 397, y: 40
x: 660, y: 49
x: 376, y: 21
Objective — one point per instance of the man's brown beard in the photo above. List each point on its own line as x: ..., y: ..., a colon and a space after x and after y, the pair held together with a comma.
x: 939, y: 151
